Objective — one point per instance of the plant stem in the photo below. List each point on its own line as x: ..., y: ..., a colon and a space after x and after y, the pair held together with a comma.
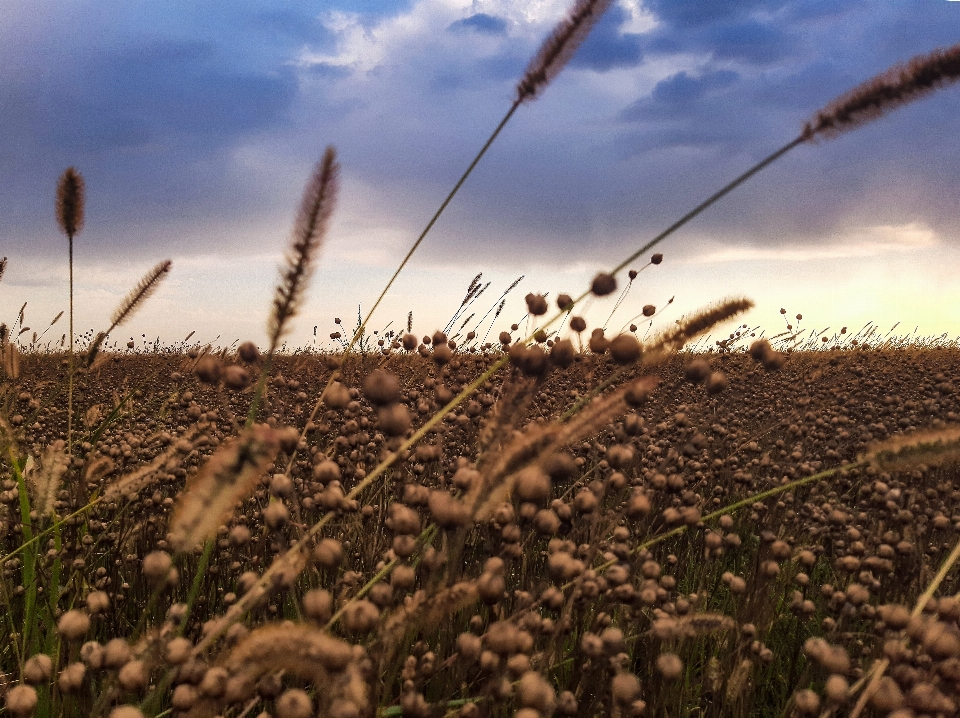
x: 70, y: 369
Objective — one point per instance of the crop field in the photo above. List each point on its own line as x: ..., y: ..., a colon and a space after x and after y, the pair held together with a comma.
x: 718, y: 535
x: 564, y: 520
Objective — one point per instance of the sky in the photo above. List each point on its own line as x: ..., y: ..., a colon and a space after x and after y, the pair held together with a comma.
x: 197, y: 125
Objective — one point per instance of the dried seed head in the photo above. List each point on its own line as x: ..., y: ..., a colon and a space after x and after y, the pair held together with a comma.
x: 447, y: 511
x: 208, y: 369
x: 603, y: 284
x: 71, y: 678
x: 97, y: 602
x: 899, y: 85
x: 328, y: 553
x: 294, y: 703
x: 557, y: 49
x: 649, y: 310
x: 806, y: 701
x: 157, y: 566
x: 536, y: 304
x: 235, y: 377
x: 656, y: 258
x: 73, y: 625
x: 394, y: 419
x: 697, y: 371
x: 381, y: 388
x: 670, y: 666
x: 716, y: 382
x: 564, y: 302
x: 625, y: 688
x: 598, y: 343
x: 248, y: 352
x: 361, y: 616
x: 38, y: 669
x: 70, y: 202
x: 535, y: 692
x: 21, y: 700
x: 624, y: 348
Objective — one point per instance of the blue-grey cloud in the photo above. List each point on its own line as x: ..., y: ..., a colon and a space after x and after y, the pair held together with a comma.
x: 480, y: 22
x: 608, y: 46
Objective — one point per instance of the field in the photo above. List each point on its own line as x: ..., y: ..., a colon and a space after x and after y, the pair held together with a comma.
x: 561, y: 521
x: 675, y: 547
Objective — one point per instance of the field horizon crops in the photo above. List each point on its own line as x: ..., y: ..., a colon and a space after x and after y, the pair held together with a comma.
x: 618, y: 561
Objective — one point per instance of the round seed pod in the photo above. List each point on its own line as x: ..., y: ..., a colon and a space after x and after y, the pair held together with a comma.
x: 598, y: 343
x: 126, y: 711
x: 394, y: 419
x: 248, y: 352
x: 532, y: 485
x: 697, y: 371
x: 649, y: 310
x: 21, y: 700
x: 97, y: 602
x: 318, y: 605
x: 670, y: 666
x: 71, y: 678
x: 603, y: 284
x: 381, y: 388
x: 656, y: 259
x: 208, y: 369
x: 328, y: 553
x: 624, y: 348
x: 447, y: 511
x: 410, y: 342
x: 235, y: 377
x: 157, y: 566
x: 564, y: 302
x: 562, y: 353
x: 578, y: 324
x: 38, y: 669
x: 625, y: 688
x: 716, y: 382
x: 326, y: 471
x: 184, y: 697
x: 337, y: 396
x: 536, y: 304
x: 294, y: 703
x: 134, y: 676
x: 73, y: 625
x: 442, y: 354
x: 361, y: 616
x: 535, y: 692
x: 806, y: 701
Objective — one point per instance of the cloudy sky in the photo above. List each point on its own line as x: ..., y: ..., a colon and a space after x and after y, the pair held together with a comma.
x: 196, y: 126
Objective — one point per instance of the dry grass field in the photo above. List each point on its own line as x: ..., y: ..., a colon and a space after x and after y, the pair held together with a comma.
x: 563, y: 521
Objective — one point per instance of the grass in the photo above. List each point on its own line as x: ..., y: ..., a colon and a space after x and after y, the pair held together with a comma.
x: 762, y: 526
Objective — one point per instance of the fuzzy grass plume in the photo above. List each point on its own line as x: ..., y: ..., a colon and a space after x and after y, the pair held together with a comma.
x: 560, y: 47
x: 229, y: 475
x: 899, y: 85
x: 130, y: 304
x: 316, y: 209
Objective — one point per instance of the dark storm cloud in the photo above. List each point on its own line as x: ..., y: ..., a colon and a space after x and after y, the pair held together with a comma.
x: 608, y: 46
x: 480, y: 22
x: 638, y: 129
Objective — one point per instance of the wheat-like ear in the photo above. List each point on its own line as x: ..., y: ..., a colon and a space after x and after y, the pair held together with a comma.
x: 557, y: 49
x: 3, y: 266
x: 902, y: 83
x: 145, y: 287
x: 70, y: 200
x: 130, y: 304
x: 674, y: 339
x: 315, y: 211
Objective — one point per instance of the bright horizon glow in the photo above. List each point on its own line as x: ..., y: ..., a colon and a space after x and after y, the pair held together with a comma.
x: 196, y: 152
